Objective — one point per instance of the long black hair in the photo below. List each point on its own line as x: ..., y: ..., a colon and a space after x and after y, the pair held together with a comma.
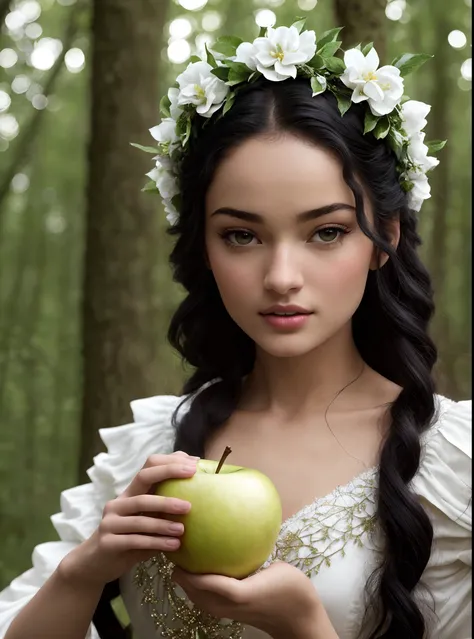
x: 389, y: 327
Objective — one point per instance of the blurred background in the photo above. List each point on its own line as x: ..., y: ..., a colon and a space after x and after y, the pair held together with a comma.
x: 85, y: 288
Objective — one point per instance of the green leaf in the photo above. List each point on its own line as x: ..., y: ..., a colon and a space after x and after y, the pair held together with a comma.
x: 317, y: 86
x: 228, y: 103
x: 227, y: 45
x: 335, y: 65
x: 409, y: 62
x: 329, y: 36
x: 221, y: 72
x: 436, y: 145
x: 262, y: 32
x: 150, y: 187
x: 210, y: 58
x: 299, y: 24
x: 147, y: 149
x: 382, y: 128
x: 195, y: 58
x: 329, y: 49
x: 182, y: 124
x: 343, y: 100
x: 370, y: 121
x: 187, y: 132
x: 165, y: 104
x: 367, y: 48
x: 239, y: 72
x: 316, y: 62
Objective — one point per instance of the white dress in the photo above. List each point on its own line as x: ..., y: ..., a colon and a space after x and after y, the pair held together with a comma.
x: 333, y: 539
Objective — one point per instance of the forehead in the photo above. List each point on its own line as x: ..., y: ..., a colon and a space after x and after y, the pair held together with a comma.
x: 278, y: 174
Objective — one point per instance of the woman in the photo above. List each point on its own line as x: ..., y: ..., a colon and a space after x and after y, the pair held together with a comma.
x: 299, y: 179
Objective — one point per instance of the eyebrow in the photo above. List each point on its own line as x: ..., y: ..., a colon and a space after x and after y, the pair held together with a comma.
x: 306, y: 216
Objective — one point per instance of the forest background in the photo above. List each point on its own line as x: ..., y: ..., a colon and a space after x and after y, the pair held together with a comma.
x: 85, y: 288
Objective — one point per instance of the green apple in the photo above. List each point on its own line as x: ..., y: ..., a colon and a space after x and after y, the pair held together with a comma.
x: 233, y: 523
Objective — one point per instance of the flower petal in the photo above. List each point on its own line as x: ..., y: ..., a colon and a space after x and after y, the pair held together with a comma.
x: 373, y: 91
x: 372, y: 60
x: 354, y: 58
x: 271, y: 74
x: 288, y: 70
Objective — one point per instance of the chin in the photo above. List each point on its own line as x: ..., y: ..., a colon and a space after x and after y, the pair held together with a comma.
x: 288, y: 345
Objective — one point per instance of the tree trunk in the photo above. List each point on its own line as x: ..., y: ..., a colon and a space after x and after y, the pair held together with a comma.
x: 363, y: 21
x: 119, y: 308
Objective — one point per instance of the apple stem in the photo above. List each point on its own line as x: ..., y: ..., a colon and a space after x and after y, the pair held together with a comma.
x: 225, y: 454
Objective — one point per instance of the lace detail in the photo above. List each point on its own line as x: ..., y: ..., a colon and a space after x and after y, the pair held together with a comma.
x: 324, y: 528
x: 308, y: 540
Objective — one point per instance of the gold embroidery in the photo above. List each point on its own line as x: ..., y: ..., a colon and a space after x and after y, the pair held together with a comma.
x: 175, y: 616
x: 308, y: 540
x: 325, y: 528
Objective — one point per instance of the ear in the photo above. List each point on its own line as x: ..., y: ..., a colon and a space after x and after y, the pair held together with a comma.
x: 379, y: 258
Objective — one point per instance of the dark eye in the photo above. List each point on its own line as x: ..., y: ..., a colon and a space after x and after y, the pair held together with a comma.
x: 328, y: 235
x: 241, y: 238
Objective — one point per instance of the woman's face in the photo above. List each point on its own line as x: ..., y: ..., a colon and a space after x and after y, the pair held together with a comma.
x: 281, y: 232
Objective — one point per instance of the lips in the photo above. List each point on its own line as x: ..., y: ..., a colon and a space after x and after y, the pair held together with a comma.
x: 280, y: 310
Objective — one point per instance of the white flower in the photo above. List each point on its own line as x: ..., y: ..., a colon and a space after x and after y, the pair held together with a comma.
x: 175, y: 110
x: 165, y: 181
x: 414, y: 116
x: 418, y: 153
x: 165, y: 132
x: 383, y: 88
x: 421, y: 189
x: 277, y: 54
x: 199, y: 87
x: 245, y: 53
x: 172, y: 214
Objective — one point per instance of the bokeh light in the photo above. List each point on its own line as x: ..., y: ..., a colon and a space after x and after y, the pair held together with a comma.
x: 39, y: 101
x: 211, y: 21
x: 265, y: 18
x: 180, y: 28
x: 75, y: 60
x: 20, y: 183
x: 30, y: 9
x: 394, y: 9
x: 8, y: 58
x: 21, y: 83
x: 9, y: 127
x: 5, y: 100
x: 457, y: 39
x: 466, y: 69
x: 193, y: 5
x: 45, y: 53
x: 179, y: 51
x: 34, y: 31
x: 307, y: 5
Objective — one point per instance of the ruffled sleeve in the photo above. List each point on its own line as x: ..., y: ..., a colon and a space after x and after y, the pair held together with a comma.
x: 81, y: 507
x: 444, y: 484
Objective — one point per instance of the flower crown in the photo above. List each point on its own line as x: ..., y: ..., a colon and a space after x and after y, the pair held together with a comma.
x: 208, y: 86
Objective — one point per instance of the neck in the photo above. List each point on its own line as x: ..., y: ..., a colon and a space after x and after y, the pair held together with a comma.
x: 289, y: 386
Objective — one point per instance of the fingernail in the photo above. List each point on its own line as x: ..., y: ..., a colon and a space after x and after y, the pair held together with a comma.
x: 189, y: 467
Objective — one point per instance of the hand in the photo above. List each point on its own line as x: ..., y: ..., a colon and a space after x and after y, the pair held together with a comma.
x: 131, y: 529
x: 280, y: 600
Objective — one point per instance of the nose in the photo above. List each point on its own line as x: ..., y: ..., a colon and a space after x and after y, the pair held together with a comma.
x: 283, y: 273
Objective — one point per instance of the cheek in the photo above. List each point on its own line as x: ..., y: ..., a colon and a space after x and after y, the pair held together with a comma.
x: 235, y: 278
x: 344, y: 275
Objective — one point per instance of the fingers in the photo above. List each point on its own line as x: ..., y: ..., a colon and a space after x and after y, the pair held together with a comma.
x: 153, y: 504
x: 226, y: 587
x: 159, y: 468
x: 145, y: 525
x: 115, y: 544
